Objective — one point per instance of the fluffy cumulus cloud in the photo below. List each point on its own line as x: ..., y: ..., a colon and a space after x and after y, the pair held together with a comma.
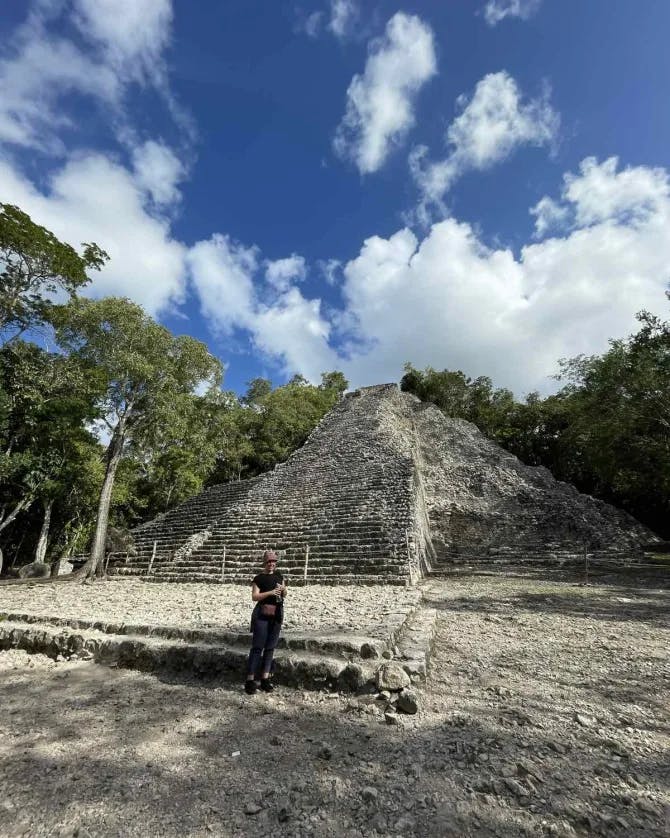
x: 497, y: 10
x: 223, y: 275
x: 235, y: 294
x: 281, y: 273
x: 146, y: 263
x: 380, y: 102
x: 549, y: 216
x: 450, y: 301
x: 158, y: 171
x: 494, y: 122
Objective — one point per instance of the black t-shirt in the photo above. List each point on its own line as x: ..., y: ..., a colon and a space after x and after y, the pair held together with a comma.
x: 268, y: 582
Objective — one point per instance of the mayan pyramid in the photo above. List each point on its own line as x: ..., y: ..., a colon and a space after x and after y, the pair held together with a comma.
x: 385, y: 490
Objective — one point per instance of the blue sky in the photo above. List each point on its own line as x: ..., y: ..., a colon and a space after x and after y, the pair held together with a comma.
x: 337, y: 184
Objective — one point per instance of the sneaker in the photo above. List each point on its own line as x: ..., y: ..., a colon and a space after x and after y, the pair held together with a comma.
x: 250, y: 687
x: 266, y: 685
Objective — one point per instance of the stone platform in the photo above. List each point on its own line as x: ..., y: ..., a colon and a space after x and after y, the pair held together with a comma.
x: 334, y: 638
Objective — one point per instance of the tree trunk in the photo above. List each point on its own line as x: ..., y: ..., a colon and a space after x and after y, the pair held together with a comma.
x: 24, y: 503
x: 43, y: 540
x: 96, y: 561
x: 67, y: 551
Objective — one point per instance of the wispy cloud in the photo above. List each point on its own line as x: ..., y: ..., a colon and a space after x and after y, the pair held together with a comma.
x: 121, y: 44
x: 492, y: 124
x: 340, y: 20
x: 497, y: 10
x: 343, y: 16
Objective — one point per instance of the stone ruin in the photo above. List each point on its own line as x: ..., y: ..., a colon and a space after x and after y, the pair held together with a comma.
x: 386, y: 489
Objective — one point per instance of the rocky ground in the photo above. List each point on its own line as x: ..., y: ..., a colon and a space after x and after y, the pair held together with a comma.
x: 343, y: 608
x: 545, y: 713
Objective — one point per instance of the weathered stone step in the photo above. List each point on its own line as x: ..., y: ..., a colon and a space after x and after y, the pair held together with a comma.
x: 245, y: 579
x: 349, y: 646
x: 386, y: 568
x: 293, y: 667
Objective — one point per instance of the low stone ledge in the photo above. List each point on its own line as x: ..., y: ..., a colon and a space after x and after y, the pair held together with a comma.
x: 151, y: 654
x: 348, y: 647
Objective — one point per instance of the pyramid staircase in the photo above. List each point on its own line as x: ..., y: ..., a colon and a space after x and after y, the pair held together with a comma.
x: 339, y: 511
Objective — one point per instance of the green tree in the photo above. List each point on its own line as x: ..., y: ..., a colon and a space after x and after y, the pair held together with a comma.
x: 619, y: 426
x: 35, y: 265
x: 145, y: 378
x: 46, y: 400
x: 173, y: 460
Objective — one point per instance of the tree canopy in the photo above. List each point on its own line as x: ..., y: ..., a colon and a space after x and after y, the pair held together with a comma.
x: 36, y: 266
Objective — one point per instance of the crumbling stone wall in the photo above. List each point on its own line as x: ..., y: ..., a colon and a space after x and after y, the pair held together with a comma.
x: 484, y: 503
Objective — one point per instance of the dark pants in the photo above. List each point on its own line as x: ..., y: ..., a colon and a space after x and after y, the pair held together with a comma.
x: 263, y: 645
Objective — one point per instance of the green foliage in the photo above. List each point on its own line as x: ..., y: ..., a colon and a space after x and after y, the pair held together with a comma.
x: 146, y: 381
x: 36, y: 265
x: 462, y: 397
x: 267, y: 425
x: 619, y: 427
x: 47, y: 452
x: 143, y: 373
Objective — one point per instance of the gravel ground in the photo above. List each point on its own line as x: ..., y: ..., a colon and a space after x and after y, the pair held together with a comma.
x: 545, y: 713
x: 343, y: 608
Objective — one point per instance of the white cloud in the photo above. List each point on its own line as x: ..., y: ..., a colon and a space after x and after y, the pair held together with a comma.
x: 491, y: 126
x: 158, y: 171
x: 380, y: 102
x: 343, y: 15
x: 122, y: 43
x: 548, y: 216
x: 600, y: 193
x: 294, y: 331
x: 311, y: 25
x: 92, y: 198
x: 133, y: 35
x: 290, y: 329
x: 39, y: 74
x: 330, y: 268
x: 283, y: 272
x: 450, y: 301
x: 497, y: 10
x: 222, y: 271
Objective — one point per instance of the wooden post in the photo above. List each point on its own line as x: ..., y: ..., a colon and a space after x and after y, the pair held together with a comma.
x: 153, y: 556
x: 306, y: 563
x: 586, y: 563
x: 223, y: 563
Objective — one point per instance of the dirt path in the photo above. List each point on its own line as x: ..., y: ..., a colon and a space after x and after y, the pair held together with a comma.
x: 545, y: 713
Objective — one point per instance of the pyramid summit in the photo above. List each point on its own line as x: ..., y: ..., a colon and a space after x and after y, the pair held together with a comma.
x: 386, y: 489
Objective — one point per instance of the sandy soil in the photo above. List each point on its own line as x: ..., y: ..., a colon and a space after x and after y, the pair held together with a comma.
x: 545, y: 713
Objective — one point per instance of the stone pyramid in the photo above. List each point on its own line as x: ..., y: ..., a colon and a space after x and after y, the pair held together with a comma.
x: 385, y: 490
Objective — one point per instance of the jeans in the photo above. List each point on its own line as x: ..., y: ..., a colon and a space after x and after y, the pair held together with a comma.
x: 263, y: 645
